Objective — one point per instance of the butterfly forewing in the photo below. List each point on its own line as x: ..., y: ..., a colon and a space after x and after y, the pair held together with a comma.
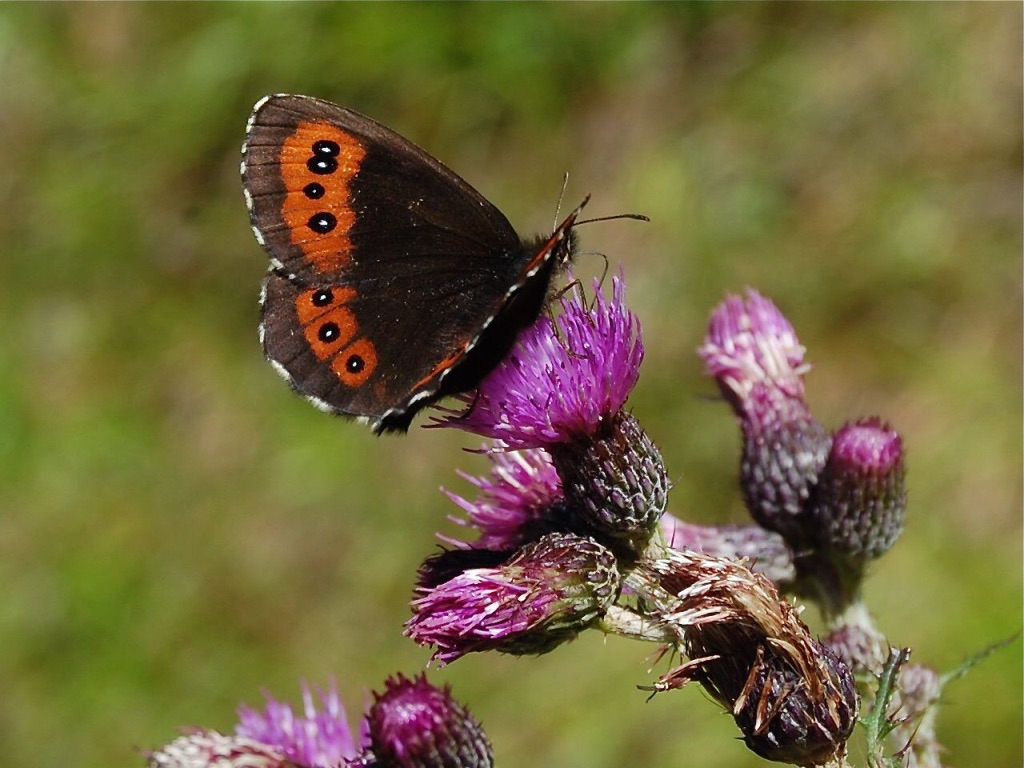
x: 380, y: 189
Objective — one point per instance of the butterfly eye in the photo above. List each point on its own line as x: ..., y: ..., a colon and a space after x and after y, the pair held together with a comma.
x: 326, y: 147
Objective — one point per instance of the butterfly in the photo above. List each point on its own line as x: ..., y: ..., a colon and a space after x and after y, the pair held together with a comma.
x: 393, y: 282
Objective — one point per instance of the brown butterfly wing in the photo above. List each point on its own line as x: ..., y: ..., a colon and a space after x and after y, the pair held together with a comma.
x: 378, y: 197
x: 394, y: 282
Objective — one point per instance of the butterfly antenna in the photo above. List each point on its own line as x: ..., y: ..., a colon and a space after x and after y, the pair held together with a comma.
x: 561, y: 197
x: 634, y: 216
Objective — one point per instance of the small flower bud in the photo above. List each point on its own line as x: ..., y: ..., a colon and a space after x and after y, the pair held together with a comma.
x: 856, y: 641
x: 209, y: 749
x: 412, y: 724
x: 859, y: 504
x: 758, y: 363
x: 545, y: 594
x: 615, y: 483
x: 919, y: 692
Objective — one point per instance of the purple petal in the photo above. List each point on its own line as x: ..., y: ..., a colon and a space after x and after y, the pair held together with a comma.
x: 319, y: 739
x: 563, y: 379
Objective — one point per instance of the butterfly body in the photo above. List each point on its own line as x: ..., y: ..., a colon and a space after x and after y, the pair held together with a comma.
x: 393, y: 282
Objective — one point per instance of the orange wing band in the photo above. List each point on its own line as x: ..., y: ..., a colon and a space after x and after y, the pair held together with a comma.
x: 318, y: 163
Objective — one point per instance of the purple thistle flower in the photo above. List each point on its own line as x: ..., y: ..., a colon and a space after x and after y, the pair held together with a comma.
x: 515, y: 503
x: 320, y: 739
x: 758, y: 362
x: 564, y: 379
x: 413, y: 724
x: 750, y: 344
x: 542, y: 596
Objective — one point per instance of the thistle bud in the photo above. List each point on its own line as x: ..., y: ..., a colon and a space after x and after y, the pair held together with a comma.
x: 412, y: 724
x: 546, y: 593
x: 859, y: 505
x: 615, y: 484
x: 778, y: 469
x: 919, y: 692
x: 856, y: 641
x: 764, y: 551
x: 758, y: 362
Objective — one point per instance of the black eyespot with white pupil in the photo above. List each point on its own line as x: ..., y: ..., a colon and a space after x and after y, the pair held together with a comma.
x: 328, y: 333
x: 314, y: 191
x: 355, y: 364
x: 322, y: 164
x: 326, y: 147
x: 322, y: 222
x: 322, y: 298
x: 324, y: 160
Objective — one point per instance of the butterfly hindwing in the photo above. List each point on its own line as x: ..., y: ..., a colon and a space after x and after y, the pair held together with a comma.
x: 346, y: 356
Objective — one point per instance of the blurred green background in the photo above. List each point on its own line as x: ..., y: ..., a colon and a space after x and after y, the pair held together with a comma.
x: 178, y: 531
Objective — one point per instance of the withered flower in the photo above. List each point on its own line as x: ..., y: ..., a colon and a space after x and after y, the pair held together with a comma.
x: 792, y: 697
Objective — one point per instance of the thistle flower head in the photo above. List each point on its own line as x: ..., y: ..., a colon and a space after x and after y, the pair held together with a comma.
x: 545, y: 594
x: 517, y: 503
x: 758, y: 362
x: 753, y: 352
x: 564, y: 378
x: 413, y: 724
x: 319, y: 738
